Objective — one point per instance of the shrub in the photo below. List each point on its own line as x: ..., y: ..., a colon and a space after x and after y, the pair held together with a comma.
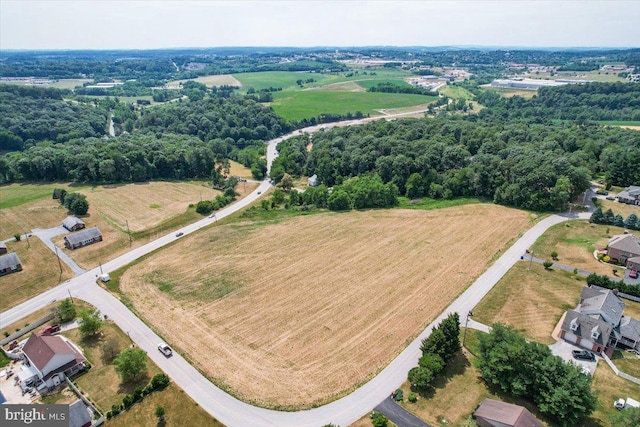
x: 5, y: 333
x: 554, y: 254
x: 108, y: 415
x: 398, y: 395
x: 547, y: 265
x: 17, y: 236
x: 606, y: 258
x: 137, y: 394
x: 127, y: 401
x: 413, y: 398
x: 147, y: 390
x: 159, y: 381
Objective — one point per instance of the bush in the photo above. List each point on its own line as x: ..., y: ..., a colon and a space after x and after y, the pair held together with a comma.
x: 379, y: 420
x: 398, y: 395
x: 17, y: 236
x: 159, y: 381
x: 108, y: 415
x: 127, y: 401
x: 547, y: 265
x: 554, y: 254
x: 606, y: 258
x: 413, y: 398
x: 137, y: 394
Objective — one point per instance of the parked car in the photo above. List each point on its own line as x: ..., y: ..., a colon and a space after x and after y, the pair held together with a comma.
x: 602, y: 192
x: 165, y: 349
x: 583, y: 355
x: 259, y: 192
x: 624, y: 404
x: 633, y: 275
x: 179, y: 234
x: 610, y: 198
x: 50, y: 330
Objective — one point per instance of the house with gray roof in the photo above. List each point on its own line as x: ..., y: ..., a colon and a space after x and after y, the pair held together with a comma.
x: 597, y: 323
x: 622, y: 247
x: 79, y: 415
x: 494, y: 413
x: 82, y: 238
x: 630, y: 195
x: 73, y: 223
x: 634, y: 263
x: 3, y: 248
x: 9, y: 263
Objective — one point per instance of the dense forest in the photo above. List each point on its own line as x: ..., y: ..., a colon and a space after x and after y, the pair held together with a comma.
x: 31, y: 114
x: 534, y: 166
x: 580, y: 103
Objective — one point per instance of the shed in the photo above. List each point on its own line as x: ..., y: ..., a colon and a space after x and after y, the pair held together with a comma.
x: 313, y: 180
x: 73, y: 223
x: 493, y: 413
x: 9, y: 263
x: 79, y: 415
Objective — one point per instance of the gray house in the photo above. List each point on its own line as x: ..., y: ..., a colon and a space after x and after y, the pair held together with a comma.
x: 9, y: 263
x: 82, y: 238
x: 623, y: 247
x: 630, y: 195
x: 73, y: 223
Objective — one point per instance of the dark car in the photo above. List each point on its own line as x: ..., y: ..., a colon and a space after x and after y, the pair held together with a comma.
x: 179, y: 234
x: 583, y: 355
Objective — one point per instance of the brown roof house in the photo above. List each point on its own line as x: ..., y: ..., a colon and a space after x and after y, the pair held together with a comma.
x: 82, y: 238
x: 493, y: 413
x: 9, y: 263
x: 623, y: 247
x: 48, y: 359
x: 73, y: 223
x: 597, y: 323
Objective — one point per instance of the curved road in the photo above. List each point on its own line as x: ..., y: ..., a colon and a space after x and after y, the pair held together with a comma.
x: 227, y: 409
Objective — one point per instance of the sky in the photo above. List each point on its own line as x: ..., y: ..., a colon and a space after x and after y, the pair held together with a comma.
x: 153, y: 24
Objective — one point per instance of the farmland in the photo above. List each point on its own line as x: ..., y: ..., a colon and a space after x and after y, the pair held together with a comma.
x: 306, y: 324
x: 210, y: 81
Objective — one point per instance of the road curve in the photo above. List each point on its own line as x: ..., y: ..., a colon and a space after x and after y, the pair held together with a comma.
x: 226, y: 408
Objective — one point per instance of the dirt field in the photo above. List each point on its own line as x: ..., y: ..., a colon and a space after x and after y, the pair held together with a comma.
x: 296, y: 313
x: 530, y: 300
x: 209, y: 81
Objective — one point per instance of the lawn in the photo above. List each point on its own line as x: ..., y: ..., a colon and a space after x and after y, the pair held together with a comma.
x: 13, y: 195
x: 306, y: 104
x: 619, y: 208
x: 508, y: 93
x: 40, y: 272
x: 575, y: 242
x: 619, y: 122
x: 456, y: 92
x: 210, y: 81
x: 283, y: 79
x: 609, y: 387
x: 238, y: 289
x: 531, y: 300
x: 369, y: 83
x: 627, y: 362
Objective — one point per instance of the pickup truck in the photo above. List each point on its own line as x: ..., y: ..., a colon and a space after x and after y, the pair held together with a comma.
x: 50, y: 330
x: 165, y: 349
x: 625, y: 404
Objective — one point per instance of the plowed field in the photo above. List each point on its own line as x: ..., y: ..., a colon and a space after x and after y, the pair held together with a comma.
x: 295, y: 313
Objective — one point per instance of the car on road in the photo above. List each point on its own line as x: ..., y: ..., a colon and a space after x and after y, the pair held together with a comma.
x: 165, y: 349
x: 259, y: 192
x: 610, y: 198
x: 633, y: 275
x: 583, y: 355
x: 212, y: 216
x: 179, y: 234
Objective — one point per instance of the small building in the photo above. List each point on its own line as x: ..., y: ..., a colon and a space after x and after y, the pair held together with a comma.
x: 82, y: 238
x: 630, y: 195
x: 493, y: 413
x: 3, y: 248
x: 313, y: 181
x: 49, y: 359
x: 73, y: 223
x: 623, y: 247
x: 79, y: 415
x: 634, y: 263
x: 9, y: 263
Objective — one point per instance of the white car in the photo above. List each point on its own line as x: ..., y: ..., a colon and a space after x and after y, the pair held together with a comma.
x: 165, y: 349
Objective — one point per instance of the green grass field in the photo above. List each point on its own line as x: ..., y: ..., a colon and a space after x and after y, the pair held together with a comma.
x: 19, y: 194
x: 456, y: 92
x: 299, y: 105
x: 284, y: 79
x: 369, y: 83
x: 619, y: 123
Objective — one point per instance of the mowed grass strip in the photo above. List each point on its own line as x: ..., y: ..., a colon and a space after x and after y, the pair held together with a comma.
x: 531, y: 299
x: 306, y: 104
x: 619, y: 208
x: 575, y: 242
x: 320, y: 303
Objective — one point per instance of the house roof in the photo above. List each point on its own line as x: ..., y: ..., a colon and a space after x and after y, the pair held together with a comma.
x: 625, y: 242
x: 635, y: 259
x: 605, y: 304
x: 41, y: 349
x: 506, y: 414
x: 630, y: 328
x: 586, y: 325
x: 3, y: 244
x: 86, y: 234
x: 70, y: 221
x: 630, y: 192
x: 9, y: 260
x: 78, y: 414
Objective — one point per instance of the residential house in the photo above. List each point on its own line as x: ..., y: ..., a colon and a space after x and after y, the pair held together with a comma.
x: 9, y: 263
x: 597, y: 323
x: 82, y: 238
x: 3, y: 248
x: 630, y: 195
x: 622, y: 247
x: 493, y: 413
x: 313, y: 181
x: 634, y: 263
x: 48, y: 359
x: 79, y: 415
x: 73, y: 223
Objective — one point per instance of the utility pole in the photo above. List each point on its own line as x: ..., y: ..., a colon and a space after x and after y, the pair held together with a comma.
x: 59, y: 263
x: 128, y: 232
x: 70, y: 297
x: 27, y: 237
x: 100, y: 268
x: 530, y: 260
x: 466, y: 322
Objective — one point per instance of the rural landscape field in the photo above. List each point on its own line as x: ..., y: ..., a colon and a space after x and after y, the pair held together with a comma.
x: 315, y: 305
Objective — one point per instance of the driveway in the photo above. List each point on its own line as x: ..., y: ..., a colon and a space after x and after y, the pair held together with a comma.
x: 46, y: 234
x: 398, y: 415
x: 563, y: 349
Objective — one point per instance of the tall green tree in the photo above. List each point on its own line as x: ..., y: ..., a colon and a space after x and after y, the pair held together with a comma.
x: 130, y: 364
x: 90, y: 322
x: 66, y: 310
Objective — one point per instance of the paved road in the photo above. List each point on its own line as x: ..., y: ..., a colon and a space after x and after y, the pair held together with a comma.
x: 226, y: 408
x: 46, y: 234
x: 398, y: 415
